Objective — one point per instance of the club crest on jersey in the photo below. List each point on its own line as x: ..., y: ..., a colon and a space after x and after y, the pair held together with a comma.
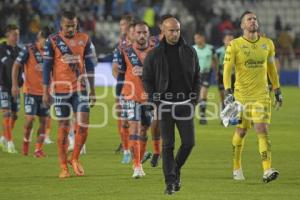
x: 264, y: 46
x: 72, y: 43
x: 143, y: 55
x: 81, y: 43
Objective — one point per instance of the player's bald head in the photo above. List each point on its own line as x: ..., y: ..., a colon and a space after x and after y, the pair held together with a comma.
x: 170, y: 22
x: 171, y: 30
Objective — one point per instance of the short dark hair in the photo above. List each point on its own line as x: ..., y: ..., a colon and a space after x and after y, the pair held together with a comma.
x: 45, y: 32
x: 11, y: 27
x: 200, y: 33
x: 141, y: 23
x: 131, y: 25
x: 164, y: 17
x: 68, y: 14
x: 227, y: 33
x: 245, y: 13
x: 128, y: 18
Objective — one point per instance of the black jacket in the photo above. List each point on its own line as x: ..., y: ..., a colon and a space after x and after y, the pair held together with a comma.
x: 156, y: 70
x: 8, y: 56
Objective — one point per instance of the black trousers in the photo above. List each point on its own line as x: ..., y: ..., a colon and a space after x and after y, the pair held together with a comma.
x: 181, y: 116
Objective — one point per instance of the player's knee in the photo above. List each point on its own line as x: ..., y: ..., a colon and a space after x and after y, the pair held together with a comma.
x: 28, y: 123
x: 82, y: 129
x: 144, y: 130
x: 261, y: 128
x: 6, y: 113
x: 63, y: 123
x: 188, y: 145
x: 125, y: 124
x: 14, y: 116
x: 241, y: 131
x: 43, y: 127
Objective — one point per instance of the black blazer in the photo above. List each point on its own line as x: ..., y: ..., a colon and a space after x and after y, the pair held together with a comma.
x: 156, y: 71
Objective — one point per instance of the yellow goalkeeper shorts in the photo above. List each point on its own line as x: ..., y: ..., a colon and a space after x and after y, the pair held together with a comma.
x: 258, y: 111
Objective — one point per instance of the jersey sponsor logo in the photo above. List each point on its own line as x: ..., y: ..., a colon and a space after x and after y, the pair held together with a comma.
x: 38, y: 67
x: 70, y: 59
x: 254, y: 63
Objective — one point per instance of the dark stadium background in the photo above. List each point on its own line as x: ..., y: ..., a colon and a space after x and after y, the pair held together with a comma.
x: 279, y: 20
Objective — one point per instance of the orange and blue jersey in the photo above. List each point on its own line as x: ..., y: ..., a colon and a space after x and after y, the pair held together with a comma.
x: 133, y: 87
x: 67, y: 59
x: 118, y: 58
x: 31, y: 58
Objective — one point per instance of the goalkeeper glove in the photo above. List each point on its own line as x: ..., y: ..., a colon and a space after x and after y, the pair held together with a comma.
x: 229, y: 98
x: 278, y: 98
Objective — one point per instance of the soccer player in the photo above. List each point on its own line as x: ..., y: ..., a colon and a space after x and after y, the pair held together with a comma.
x: 125, y: 40
x: 220, y: 53
x: 9, y: 105
x: 253, y: 58
x: 31, y: 58
x: 124, y: 126
x: 207, y: 61
x: 133, y: 93
x: 69, y: 58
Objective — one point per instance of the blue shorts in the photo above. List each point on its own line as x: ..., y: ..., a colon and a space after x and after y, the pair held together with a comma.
x: 134, y: 111
x: 66, y: 103
x: 8, y: 102
x: 33, y: 105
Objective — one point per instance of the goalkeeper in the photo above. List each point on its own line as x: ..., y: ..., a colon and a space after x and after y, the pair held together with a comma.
x: 253, y: 59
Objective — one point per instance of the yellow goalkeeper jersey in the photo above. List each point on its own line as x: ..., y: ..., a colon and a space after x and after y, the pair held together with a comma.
x: 253, y: 62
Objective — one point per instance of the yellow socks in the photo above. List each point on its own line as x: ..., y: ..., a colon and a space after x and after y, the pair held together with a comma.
x: 237, y: 144
x: 264, y: 150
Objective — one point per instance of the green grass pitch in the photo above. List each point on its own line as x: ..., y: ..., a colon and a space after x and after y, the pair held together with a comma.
x: 206, y: 175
